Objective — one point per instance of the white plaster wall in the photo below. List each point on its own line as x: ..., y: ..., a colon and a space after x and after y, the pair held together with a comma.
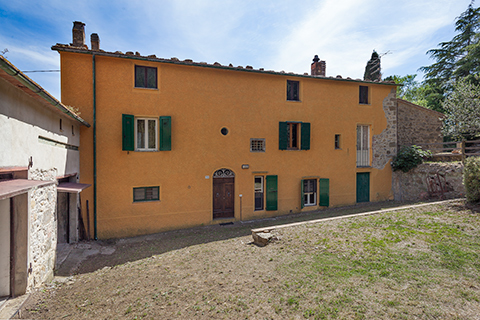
x: 22, y: 120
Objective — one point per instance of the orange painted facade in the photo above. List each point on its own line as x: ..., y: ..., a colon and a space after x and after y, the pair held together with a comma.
x: 201, y: 100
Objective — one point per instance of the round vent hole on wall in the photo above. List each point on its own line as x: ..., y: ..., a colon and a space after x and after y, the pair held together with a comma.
x: 224, y: 131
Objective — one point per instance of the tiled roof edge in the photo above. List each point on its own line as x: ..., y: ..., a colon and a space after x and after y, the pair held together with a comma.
x: 216, y: 65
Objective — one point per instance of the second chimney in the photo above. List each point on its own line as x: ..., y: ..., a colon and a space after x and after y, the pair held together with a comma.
x: 318, y: 67
x: 95, y: 40
x: 78, y: 33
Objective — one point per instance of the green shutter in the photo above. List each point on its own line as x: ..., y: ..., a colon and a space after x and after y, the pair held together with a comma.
x: 128, y: 132
x: 324, y: 192
x: 302, y: 194
x: 282, y: 136
x: 305, y: 136
x: 165, y: 133
x: 272, y: 192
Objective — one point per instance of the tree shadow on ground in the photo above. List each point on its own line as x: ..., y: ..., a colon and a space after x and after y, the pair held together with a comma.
x: 137, y: 248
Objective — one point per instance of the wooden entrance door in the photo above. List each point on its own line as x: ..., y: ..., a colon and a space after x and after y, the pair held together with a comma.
x: 223, y: 198
x: 63, y: 217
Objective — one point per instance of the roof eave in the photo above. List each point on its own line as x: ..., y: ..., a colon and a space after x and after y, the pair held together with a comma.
x: 38, y: 90
x: 67, y: 48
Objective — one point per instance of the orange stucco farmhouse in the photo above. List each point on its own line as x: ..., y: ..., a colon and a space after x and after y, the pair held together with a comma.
x: 175, y: 144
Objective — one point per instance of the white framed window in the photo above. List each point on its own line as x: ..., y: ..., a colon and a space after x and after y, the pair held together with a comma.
x: 257, y: 145
x: 258, y: 185
x: 310, y: 192
x: 146, y: 134
x: 363, y: 146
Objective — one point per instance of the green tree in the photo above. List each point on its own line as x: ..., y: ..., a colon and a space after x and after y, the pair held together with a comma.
x: 421, y: 93
x: 462, y: 110
x: 460, y: 57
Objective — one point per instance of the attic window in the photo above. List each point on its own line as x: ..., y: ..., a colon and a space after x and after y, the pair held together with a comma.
x: 363, y: 95
x: 145, y: 77
x: 293, y: 90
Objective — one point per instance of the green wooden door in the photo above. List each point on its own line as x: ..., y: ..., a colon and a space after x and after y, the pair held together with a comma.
x: 363, y: 187
x: 272, y: 193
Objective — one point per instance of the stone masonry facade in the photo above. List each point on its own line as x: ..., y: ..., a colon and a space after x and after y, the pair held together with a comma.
x: 417, y: 125
x: 427, y: 180
x: 42, y: 229
x: 384, y: 145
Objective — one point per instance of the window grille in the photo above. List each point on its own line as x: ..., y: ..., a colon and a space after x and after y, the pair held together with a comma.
x: 257, y: 145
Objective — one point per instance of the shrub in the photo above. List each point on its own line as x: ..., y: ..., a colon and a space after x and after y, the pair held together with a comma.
x: 471, y: 179
x: 409, y: 158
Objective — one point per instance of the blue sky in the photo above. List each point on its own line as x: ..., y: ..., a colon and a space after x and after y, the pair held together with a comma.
x: 275, y: 35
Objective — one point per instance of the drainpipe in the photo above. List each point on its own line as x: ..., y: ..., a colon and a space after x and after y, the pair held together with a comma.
x: 94, y: 150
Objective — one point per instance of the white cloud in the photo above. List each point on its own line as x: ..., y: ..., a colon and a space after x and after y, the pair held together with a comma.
x: 344, y: 33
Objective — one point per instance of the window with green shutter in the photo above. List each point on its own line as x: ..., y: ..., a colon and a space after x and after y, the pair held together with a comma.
x: 272, y: 192
x: 294, y: 136
x: 324, y: 186
x: 305, y: 136
x: 128, y: 132
x: 165, y: 133
x: 309, y: 192
x: 283, y: 136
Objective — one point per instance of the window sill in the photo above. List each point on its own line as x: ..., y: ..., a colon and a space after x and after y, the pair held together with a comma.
x: 294, y: 100
x: 145, y: 150
x: 309, y: 205
x: 145, y: 88
x: 143, y: 201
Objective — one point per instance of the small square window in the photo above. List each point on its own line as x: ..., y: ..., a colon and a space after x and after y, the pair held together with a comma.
x: 363, y: 95
x: 257, y: 145
x: 145, y: 77
x: 146, y: 134
x: 145, y: 194
x: 337, y: 141
x: 293, y: 90
x: 310, y: 192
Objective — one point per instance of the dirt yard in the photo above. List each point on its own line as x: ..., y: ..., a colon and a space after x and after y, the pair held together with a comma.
x: 421, y: 263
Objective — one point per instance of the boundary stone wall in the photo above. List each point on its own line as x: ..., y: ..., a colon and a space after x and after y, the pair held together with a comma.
x: 418, y: 183
x: 417, y: 124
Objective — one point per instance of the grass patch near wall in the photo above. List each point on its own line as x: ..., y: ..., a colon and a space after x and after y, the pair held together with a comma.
x: 412, y: 263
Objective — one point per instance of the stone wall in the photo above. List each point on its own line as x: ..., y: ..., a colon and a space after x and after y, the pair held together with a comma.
x: 384, y: 145
x: 43, y: 228
x: 43, y: 234
x: 417, y: 125
x: 418, y: 183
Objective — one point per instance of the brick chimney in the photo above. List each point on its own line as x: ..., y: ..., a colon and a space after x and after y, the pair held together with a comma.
x: 95, y: 40
x: 318, y: 67
x: 78, y: 33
